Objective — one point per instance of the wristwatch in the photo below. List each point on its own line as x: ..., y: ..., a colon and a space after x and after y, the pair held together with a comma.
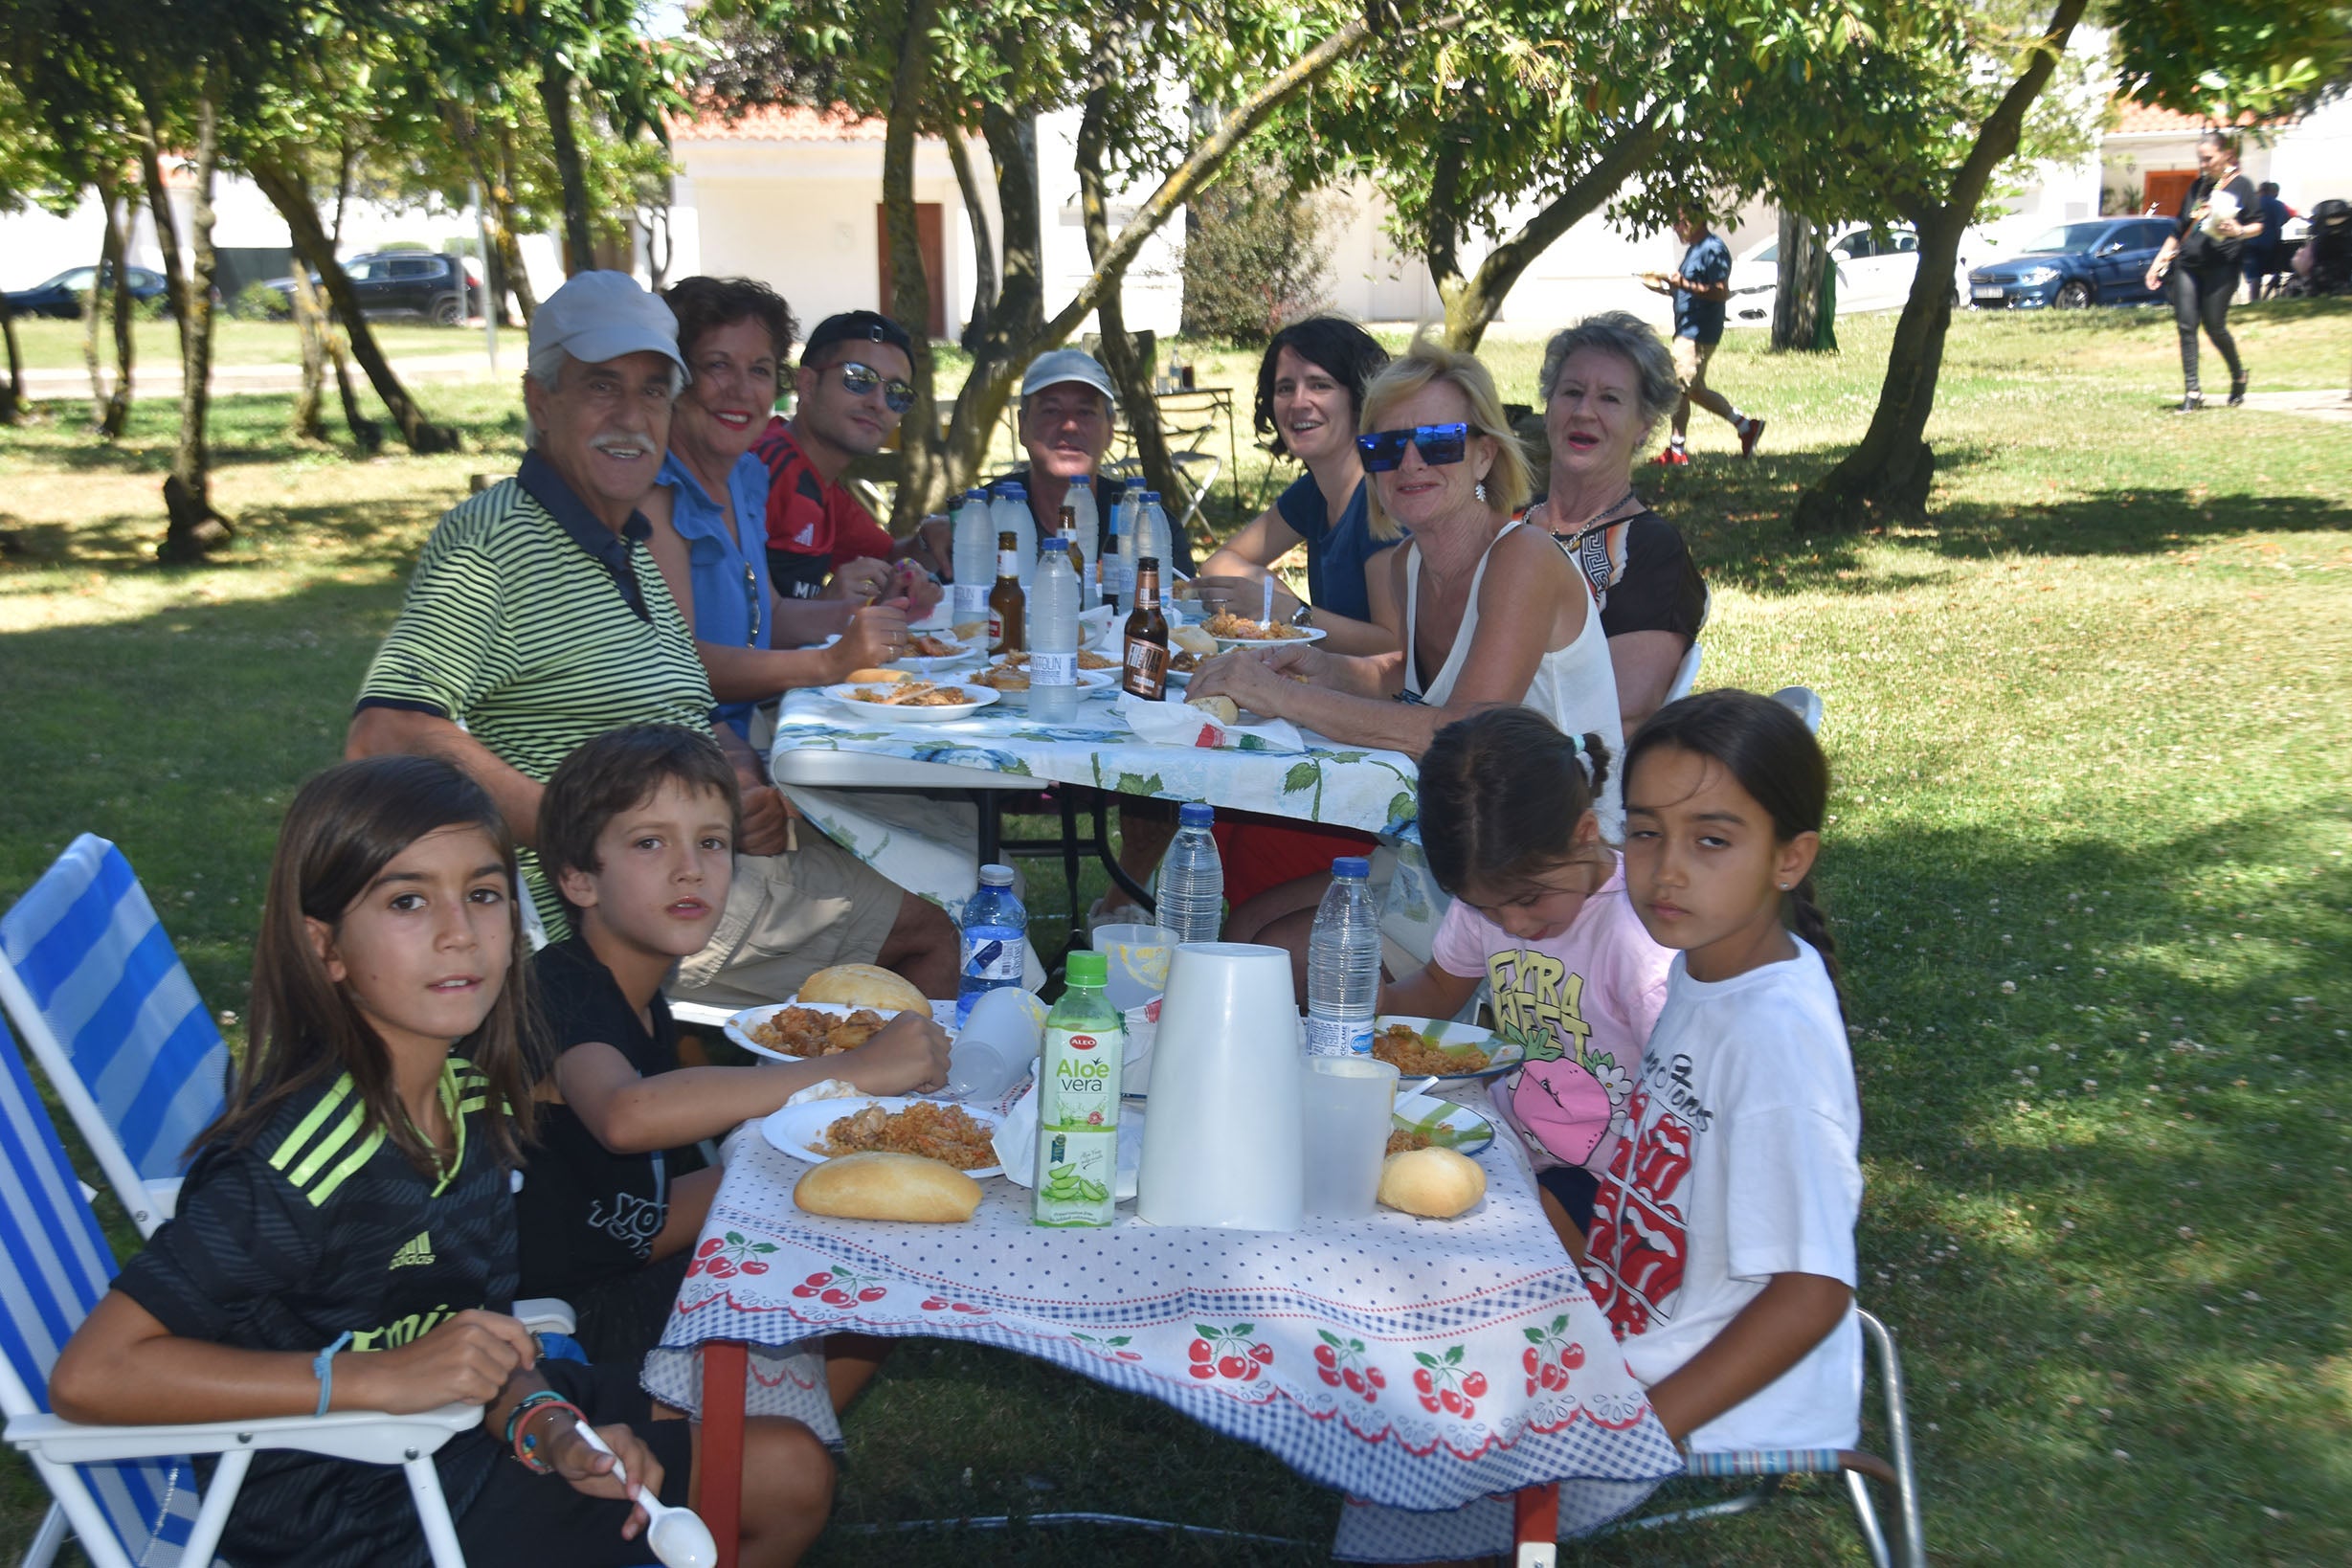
x: 1304, y: 615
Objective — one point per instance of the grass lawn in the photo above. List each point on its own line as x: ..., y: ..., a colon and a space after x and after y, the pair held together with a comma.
x: 2088, y: 863
x: 52, y: 344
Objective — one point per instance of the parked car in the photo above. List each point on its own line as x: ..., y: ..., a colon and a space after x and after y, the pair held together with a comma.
x: 61, y: 296
x: 1874, y: 273
x: 402, y: 284
x: 2076, y: 265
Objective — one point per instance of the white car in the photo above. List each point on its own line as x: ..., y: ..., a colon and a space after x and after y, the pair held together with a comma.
x: 1873, y: 274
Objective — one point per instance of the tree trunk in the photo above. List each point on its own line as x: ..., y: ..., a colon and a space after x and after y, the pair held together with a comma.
x: 922, y: 482
x: 983, y: 246
x: 1473, y: 302
x: 110, y: 411
x: 310, y: 325
x: 194, y: 529
x: 518, y: 278
x: 1889, y: 474
x: 12, y: 395
x: 1128, y: 372
x: 287, y: 193
x: 166, y: 227
x: 555, y: 96
x: 125, y: 320
x: 1795, y: 302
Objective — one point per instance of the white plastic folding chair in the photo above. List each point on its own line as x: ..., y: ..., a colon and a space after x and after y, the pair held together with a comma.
x: 1686, y: 674
x: 128, y: 1494
x: 106, y: 1005
x: 1803, y: 702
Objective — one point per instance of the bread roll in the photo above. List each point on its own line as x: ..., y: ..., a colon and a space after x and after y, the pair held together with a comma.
x: 1193, y: 640
x: 1436, y: 1183
x: 1220, y: 709
x: 864, y: 985
x: 879, y: 1186
x: 872, y: 678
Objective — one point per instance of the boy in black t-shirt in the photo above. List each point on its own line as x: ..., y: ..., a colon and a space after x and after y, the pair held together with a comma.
x: 636, y: 833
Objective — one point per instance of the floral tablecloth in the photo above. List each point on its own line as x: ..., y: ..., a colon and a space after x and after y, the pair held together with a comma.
x: 1421, y: 1367
x: 928, y: 846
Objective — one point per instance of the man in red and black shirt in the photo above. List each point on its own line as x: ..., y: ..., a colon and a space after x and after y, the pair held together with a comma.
x: 853, y: 386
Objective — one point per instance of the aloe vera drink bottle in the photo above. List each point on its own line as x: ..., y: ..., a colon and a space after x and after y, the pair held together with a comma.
x: 1078, y: 1102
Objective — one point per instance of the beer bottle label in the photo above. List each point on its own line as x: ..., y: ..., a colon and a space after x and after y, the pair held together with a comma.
x: 1147, y: 669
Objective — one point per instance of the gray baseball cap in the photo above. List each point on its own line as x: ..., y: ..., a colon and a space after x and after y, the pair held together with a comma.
x: 1057, y: 366
x: 600, y: 316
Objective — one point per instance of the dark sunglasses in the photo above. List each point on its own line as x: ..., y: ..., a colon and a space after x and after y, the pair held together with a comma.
x: 1438, y: 446
x: 857, y: 380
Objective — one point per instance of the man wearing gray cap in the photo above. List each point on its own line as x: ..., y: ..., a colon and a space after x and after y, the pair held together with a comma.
x: 1066, y: 410
x: 537, y: 618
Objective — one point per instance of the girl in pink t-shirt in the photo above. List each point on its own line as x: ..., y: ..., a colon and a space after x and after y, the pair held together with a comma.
x: 1540, y: 914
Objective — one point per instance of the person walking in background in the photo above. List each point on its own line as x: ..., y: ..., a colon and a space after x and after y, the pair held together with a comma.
x: 2264, y: 250
x: 1700, y: 287
x: 2218, y: 214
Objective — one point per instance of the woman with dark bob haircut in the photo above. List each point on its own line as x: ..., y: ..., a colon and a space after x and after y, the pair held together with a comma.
x: 708, y: 509
x: 1311, y: 389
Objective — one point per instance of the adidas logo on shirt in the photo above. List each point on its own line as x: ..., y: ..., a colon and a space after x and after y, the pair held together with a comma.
x: 417, y: 1251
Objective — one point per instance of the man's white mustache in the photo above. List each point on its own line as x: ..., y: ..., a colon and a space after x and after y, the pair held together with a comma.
x: 606, y: 444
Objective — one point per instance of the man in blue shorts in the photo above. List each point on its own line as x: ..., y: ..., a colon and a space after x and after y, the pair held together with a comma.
x: 1700, y: 287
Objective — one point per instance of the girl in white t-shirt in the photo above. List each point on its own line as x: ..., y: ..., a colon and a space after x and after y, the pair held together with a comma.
x: 1540, y: 914
x: 1722, y: 1246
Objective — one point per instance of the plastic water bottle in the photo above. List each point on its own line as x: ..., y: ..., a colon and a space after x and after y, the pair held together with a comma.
x: 1152, y: 539
x: 1053, y: 637
x: 995, y: 932
x: 1122, y: 519
x: 974, y: 559
x: 1343, y: 964
x: 1192, y: 881
x: 1009, y: 513
x: 1085, y: 543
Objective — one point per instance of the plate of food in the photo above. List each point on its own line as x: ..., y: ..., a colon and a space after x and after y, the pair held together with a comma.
x: 1424, y: 1121
x: 927, y: 649
x: 910, y: 699
x: 1232, y: 631
x: 958, y: 1136
x: 795, y: 1031
x: 1011, y: 682
x: 1436, y: 1048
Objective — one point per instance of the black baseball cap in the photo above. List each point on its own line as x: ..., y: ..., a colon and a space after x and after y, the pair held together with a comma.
x: 857, y: 326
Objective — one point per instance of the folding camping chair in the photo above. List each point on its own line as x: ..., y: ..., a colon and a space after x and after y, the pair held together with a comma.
x: 1686, y: 674
x: 128, y: 1494
x: 1906, y: 1547
x: 95, y: 986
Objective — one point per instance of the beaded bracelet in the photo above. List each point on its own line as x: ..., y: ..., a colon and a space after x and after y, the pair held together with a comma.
x: 526, y: 1446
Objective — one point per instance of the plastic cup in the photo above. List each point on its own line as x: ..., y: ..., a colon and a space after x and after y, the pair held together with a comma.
x: 1221, y: 1144
x: 1138, y: 957
x: 1346, y: 1102
x: 999, y: 1044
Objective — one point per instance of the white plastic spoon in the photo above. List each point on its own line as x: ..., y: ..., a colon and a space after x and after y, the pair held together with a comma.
x: 678, y: 1535
x: 1266, y: 613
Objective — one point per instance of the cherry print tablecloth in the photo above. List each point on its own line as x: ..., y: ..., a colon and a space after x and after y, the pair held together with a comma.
x: 1421, y: 1367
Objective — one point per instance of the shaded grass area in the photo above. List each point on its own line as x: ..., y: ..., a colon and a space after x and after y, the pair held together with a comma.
x: 2088, y: 863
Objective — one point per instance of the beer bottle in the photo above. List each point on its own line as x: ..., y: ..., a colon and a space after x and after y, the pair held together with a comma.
x: 1146, y: 669
x: 1005, y: 633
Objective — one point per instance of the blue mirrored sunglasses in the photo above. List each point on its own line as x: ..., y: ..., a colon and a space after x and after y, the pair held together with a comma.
x: 857, y: 380
x: 1437, y: 444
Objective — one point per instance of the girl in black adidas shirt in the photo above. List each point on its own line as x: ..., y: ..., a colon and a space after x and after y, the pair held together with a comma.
x: 349, y: 1212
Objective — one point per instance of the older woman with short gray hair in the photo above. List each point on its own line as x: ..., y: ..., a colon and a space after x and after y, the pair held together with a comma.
x: 1608, y: 383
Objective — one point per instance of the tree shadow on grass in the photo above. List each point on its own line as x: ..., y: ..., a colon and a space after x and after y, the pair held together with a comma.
x: 359, y: 534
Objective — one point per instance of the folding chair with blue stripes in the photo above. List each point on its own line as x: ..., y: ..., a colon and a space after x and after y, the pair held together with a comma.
x: 128, y: 1494
x: 101, y: 997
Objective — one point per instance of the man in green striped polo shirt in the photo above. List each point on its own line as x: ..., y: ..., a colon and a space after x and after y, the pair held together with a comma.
x: 537, y: 618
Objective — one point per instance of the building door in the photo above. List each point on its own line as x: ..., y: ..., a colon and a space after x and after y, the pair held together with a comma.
x: 2161, y: 189
x: 930, y: 243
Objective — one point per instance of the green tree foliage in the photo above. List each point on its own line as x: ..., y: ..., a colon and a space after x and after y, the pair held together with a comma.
x: 1257, y: 254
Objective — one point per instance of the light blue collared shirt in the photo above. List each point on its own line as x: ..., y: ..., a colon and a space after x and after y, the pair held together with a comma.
x: 729, y: 581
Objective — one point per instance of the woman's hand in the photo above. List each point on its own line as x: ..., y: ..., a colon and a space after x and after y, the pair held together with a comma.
x: 1246, y: 597
x: 875, y: 635
x: 577, y: 1461
x: 464, y: 1361
x: 1258, y: 679
x: 907, y: 1055
x: 861, y: 580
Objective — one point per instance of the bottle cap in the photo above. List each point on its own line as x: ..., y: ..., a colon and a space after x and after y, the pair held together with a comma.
x: 1150, y: 497
x: 1147, y: 563
x: 1087, y: 969
x: 1355, y: 866
x: 975, y: 495
x: 1196, y: 813
x: 1015, y: 490
x: 998, y: 876
x: 1052, y: 541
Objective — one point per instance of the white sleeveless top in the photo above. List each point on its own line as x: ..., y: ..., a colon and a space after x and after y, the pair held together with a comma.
x: 1574, y: 686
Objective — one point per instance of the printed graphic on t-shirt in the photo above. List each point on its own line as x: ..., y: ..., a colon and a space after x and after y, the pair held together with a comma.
x: 1634, y: 1258
x: 1569, y: 1095
x: 632, y: 1221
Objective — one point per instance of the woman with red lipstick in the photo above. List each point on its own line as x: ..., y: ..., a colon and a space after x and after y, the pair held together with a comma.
x: 709, y: 507
x: 1539, y: 915
x: 1608, y: 383
x: 1722, y: 1244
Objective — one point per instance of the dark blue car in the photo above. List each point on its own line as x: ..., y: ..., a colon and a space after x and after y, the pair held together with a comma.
x: 2076, y: 265
x: 62, y: 296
